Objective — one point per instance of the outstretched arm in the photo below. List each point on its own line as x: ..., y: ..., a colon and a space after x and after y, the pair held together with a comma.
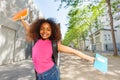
x: 25, y: 24
x: 67, y: 49
x: 27, y: 29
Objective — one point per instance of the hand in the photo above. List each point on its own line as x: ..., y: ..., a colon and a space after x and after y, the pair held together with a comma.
x: 21, y: 18
x: 92, y: 59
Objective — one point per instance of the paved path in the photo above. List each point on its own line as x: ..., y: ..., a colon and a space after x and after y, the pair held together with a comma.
x: 22, y: 70
x: 71, y: 68
x: 74, y: 68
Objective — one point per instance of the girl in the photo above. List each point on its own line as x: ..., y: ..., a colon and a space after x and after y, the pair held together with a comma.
x: 43, y: 31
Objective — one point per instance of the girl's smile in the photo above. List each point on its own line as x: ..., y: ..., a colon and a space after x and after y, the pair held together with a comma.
x: 45, y: 31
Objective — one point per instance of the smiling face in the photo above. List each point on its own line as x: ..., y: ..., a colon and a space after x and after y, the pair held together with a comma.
x: 45, y: 31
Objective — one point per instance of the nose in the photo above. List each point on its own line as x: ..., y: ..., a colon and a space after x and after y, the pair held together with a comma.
x: 44, y: 31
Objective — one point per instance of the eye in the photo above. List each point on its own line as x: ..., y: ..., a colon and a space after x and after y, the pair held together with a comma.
x: 48, y: 29
x: 41, y: 28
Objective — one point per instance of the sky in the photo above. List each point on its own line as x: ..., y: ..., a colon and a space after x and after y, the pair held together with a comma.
x: 49, y: 10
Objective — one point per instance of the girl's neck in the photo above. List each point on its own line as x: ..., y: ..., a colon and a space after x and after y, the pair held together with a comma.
x: 44, y: 39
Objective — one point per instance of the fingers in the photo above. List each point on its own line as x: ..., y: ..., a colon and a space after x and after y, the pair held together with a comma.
x: 92, y: 59
x: 21, y: 17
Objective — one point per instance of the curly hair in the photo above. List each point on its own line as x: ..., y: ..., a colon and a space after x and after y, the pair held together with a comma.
x: 34, y: 32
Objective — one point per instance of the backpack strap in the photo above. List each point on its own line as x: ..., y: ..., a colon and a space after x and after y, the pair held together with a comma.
x: 55, y: 51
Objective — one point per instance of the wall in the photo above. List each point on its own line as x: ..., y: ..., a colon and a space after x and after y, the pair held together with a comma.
x: 7, y: 44
x: 13, y: 45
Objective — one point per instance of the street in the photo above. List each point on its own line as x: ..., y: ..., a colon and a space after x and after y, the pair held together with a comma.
x: 71, y: 68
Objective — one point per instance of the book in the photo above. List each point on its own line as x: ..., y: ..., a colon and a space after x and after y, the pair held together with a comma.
x: 101, y: 63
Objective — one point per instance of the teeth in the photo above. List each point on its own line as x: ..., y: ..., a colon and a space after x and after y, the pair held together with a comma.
x: 44, y: 35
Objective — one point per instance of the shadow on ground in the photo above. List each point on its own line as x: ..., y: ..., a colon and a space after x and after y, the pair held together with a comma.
x: 71, y: 68
x: 17, y: 71
x: 74, y: 68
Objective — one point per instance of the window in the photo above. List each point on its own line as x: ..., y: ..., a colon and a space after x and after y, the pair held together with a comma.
x: 105, y: 37
x: 109, y: 37
x: 117, y: 26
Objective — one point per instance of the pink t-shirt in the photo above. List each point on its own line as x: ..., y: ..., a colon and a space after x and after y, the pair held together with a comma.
x: 42, y: 55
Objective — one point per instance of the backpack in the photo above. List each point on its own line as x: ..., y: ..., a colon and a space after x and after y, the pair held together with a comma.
x: 55, y: 52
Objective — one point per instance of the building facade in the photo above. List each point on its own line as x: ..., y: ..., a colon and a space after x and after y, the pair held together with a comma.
x: 103, y: 40
x: 13, y: 44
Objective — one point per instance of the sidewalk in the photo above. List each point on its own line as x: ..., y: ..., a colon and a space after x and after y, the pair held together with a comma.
x: 74, y: 68
x: 22, y: 70
x: 71, y: 68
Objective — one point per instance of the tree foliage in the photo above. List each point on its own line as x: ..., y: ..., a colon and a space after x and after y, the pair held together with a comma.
x: 80, y: 19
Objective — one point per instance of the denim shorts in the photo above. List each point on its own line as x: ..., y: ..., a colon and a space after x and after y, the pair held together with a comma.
x: 52, y: 74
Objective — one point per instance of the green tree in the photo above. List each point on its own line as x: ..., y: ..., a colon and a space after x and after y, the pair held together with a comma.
x: 82, y: 19
x: 75, y: 3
